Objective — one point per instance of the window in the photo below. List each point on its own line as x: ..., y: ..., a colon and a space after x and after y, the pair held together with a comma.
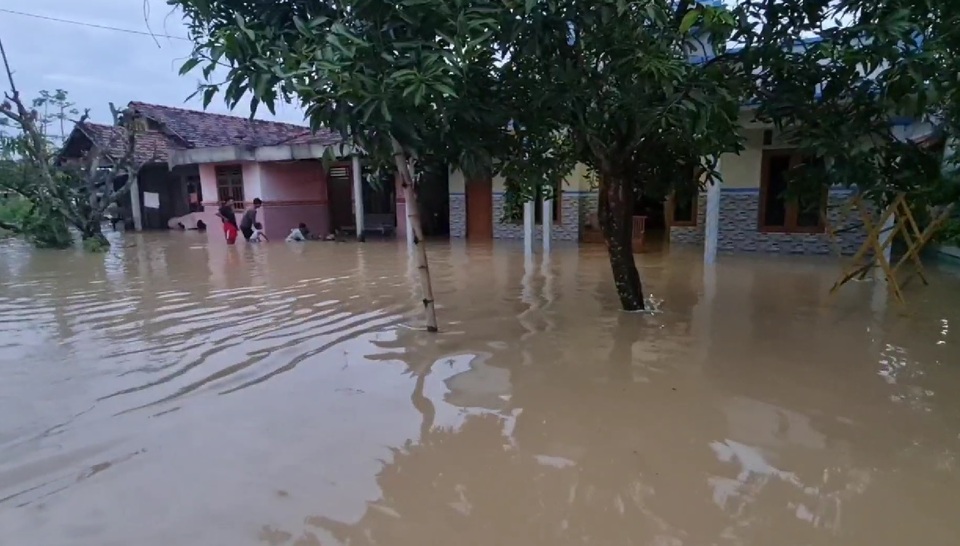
x: 682, y: 203
x: 782, y: 210
x: 230, y: 183
x: 684, y: 211
x: 538, y: 208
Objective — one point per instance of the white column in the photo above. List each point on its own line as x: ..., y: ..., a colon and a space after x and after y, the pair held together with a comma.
x: 711, y: 230
x: 357, y: 196
x: 528, y: 220
x: 135, y: 207
x: 547, y: 223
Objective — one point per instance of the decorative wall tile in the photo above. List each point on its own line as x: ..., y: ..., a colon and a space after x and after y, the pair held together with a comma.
x: 687, y: 235
x: 458, y: 215
x: 739, y: 214
x: 567, y: 229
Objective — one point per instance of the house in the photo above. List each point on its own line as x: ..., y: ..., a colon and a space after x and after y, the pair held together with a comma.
x: 754, y: 214
x: 194, y: 160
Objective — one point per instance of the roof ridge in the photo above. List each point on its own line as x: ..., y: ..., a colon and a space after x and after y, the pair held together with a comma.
x: 229, y: 116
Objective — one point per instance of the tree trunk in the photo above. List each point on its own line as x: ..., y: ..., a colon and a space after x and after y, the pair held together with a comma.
x: 616, y: 218
x: 92, y: 237
x: 413, y: 217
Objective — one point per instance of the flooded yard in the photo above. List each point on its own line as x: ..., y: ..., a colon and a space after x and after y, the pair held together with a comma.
x: 176, y: 391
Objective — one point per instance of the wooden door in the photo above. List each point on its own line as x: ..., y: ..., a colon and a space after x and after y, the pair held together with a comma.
x: 480, y: 210
x: 339, y: 197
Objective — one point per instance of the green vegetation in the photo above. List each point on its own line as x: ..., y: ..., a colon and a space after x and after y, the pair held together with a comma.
x: 46, y: 196
x: 642, y: 92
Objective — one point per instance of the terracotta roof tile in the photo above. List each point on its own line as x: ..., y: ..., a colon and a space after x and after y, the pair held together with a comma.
x: 184, y: 129
x: 151, y: 146
x: 323, y: 136
x: 207, y: 130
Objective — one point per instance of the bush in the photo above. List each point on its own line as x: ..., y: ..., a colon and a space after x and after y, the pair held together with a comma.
x: 14, y: 210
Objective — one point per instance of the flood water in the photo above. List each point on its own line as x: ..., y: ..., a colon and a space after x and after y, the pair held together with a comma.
x: 178, y: 392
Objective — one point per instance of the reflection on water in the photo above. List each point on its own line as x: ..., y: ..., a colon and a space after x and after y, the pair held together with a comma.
x: 176, y: 391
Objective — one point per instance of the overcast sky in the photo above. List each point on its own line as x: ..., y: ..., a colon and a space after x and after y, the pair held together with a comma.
x: 97, y: 66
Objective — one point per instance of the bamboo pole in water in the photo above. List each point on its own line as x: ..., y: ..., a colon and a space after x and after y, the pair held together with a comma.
x: 413, y: 220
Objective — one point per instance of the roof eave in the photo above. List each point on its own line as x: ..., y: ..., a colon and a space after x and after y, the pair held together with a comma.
x: 259, y: 154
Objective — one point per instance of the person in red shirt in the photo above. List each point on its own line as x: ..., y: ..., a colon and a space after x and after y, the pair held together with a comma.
x: 229, y: 217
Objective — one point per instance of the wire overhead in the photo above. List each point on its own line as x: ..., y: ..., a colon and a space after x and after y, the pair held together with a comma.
x: 92, y: 25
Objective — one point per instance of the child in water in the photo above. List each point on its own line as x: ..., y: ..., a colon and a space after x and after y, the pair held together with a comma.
x: 258, y: 236
x: 301, y: 233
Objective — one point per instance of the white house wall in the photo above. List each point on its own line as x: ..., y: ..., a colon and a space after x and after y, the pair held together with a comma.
x: 740, y: 212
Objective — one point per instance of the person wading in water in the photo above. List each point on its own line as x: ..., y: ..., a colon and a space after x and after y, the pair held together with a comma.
x: 249, y: 219
x: 229, y: 217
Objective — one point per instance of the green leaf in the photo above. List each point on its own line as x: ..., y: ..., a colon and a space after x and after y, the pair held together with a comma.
x: 189, y: 65
x: 243, y: 26
x: 689, y: 19
x: 385, y: 111
x: 261, y: 83
x: 443, y: 88
x: 301, y: 26
x: 529, y: 5
x: 208, y: 95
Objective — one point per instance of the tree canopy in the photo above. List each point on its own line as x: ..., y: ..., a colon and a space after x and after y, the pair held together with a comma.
x: 646, y: 93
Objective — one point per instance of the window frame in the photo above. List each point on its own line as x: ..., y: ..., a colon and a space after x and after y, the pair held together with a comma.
x: 230, y: 182
x: 694, y: 210
x: 791, y: 208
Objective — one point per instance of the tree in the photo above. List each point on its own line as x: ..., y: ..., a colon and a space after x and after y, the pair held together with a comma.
x: 62, y: 193
x: 404, y: 82
x: 836, y: 78
x: 617, y: 80
x: 420, y: 78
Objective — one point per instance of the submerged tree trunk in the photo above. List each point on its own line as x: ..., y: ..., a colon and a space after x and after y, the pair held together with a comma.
x: 616, y: 219
x: 413, y: 217
x: 91, y: 234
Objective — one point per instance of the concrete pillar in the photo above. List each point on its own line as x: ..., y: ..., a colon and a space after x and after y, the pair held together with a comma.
x: 136, y: 208
x: 547, y: 223
x: 711, y: 229
x: 528, y: 221
x: 357, y: 196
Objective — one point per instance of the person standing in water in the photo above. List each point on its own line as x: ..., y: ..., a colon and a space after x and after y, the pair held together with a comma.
x: 249, y: 219
x: 229, y: 218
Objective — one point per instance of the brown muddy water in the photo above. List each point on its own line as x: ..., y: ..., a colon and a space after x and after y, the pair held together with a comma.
x: 178, y: 392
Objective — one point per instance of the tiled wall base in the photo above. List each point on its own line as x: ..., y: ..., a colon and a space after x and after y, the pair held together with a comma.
x: 739, y: 211
x: 575, y: 207
x: 568, y: 229
x: 689, y: 235
x: 458, y: 215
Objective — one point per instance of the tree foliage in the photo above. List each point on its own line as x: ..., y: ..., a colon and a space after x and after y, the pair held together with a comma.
x: 842, y: 80
x: 420, y: 73
x: 646, y: 93
x: 61, y: 194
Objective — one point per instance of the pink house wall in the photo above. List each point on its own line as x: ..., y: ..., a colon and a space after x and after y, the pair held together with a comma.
x: 292, y: 193
x: 208, y: 186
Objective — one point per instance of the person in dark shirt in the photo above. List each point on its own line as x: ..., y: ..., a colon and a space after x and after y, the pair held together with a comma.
x: 229, y: 218
x: 249, y: 219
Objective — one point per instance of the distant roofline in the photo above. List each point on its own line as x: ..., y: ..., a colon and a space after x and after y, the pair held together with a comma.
x: 134, y: 103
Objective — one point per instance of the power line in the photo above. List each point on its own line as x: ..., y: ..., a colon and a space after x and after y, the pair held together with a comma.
x: 92, y: 25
